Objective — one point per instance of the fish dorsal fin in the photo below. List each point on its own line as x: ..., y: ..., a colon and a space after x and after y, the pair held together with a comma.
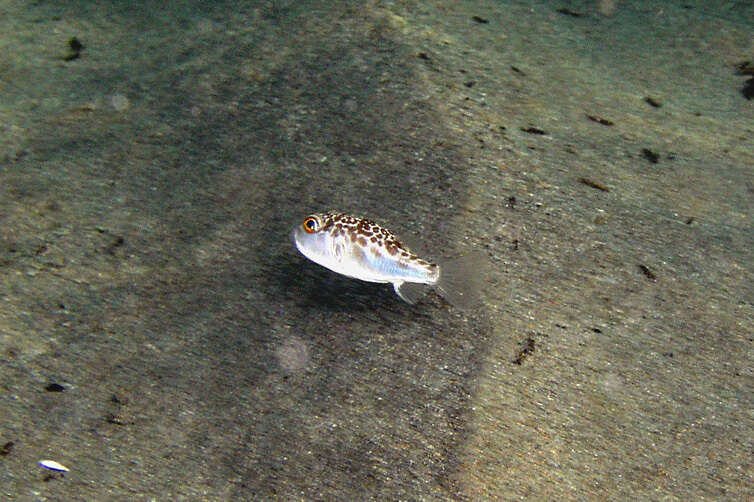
x: 410, y: 292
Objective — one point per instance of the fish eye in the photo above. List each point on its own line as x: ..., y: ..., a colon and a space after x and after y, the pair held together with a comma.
x: 311, y: 224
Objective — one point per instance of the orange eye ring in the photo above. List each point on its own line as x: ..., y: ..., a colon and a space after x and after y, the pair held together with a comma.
x: 311, y: 224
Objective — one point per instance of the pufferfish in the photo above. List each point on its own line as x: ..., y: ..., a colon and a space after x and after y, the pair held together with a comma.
x: 361, y: 249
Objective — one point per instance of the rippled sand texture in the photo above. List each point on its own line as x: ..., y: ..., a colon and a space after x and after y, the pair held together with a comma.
x: 162, y: 339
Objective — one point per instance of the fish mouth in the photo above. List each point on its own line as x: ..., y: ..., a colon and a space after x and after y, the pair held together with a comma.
x: 297, y: 235
x: 294, y: 235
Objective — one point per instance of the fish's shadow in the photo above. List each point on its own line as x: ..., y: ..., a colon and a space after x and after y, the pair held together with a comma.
x: 313, y: 286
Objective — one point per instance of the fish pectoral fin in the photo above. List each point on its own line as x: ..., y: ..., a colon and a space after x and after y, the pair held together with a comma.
x: 410, y: 292
x: 338, y: 251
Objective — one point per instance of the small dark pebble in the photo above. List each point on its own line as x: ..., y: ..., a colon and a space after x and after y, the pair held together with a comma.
x: 518, y: 70
x: 52, y: 205
x: 469, y: 84
x: 6, y: 448
x: 115, y: 244
x: 569, y: 12
x: 600, y: 120
x: 75, y: 45
x: 745, y: 68
x: 526, y: 350
x: 54, y: 387
x: 512, y: 201
x: 667, y: 354
x: 647, y: 272
x: 423, y: 55
x: 748, y: 90
x: 653, y: 102
x: 650, y: 155
x: 533, y: 130
x: 479, y: 20
x: 597, y: 330
x: 112, y: 418
x: 689, y: 220
x: 594, y: 184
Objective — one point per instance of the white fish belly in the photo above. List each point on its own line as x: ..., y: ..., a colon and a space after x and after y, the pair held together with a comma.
x: 372, y: 267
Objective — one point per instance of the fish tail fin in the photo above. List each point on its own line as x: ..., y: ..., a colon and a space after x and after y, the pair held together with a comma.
x: 460, y: 280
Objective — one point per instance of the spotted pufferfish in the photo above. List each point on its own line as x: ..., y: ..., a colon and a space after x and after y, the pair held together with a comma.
x: 361, y: 249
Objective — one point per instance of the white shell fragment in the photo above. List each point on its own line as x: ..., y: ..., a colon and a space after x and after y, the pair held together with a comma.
x: 53, y: 466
